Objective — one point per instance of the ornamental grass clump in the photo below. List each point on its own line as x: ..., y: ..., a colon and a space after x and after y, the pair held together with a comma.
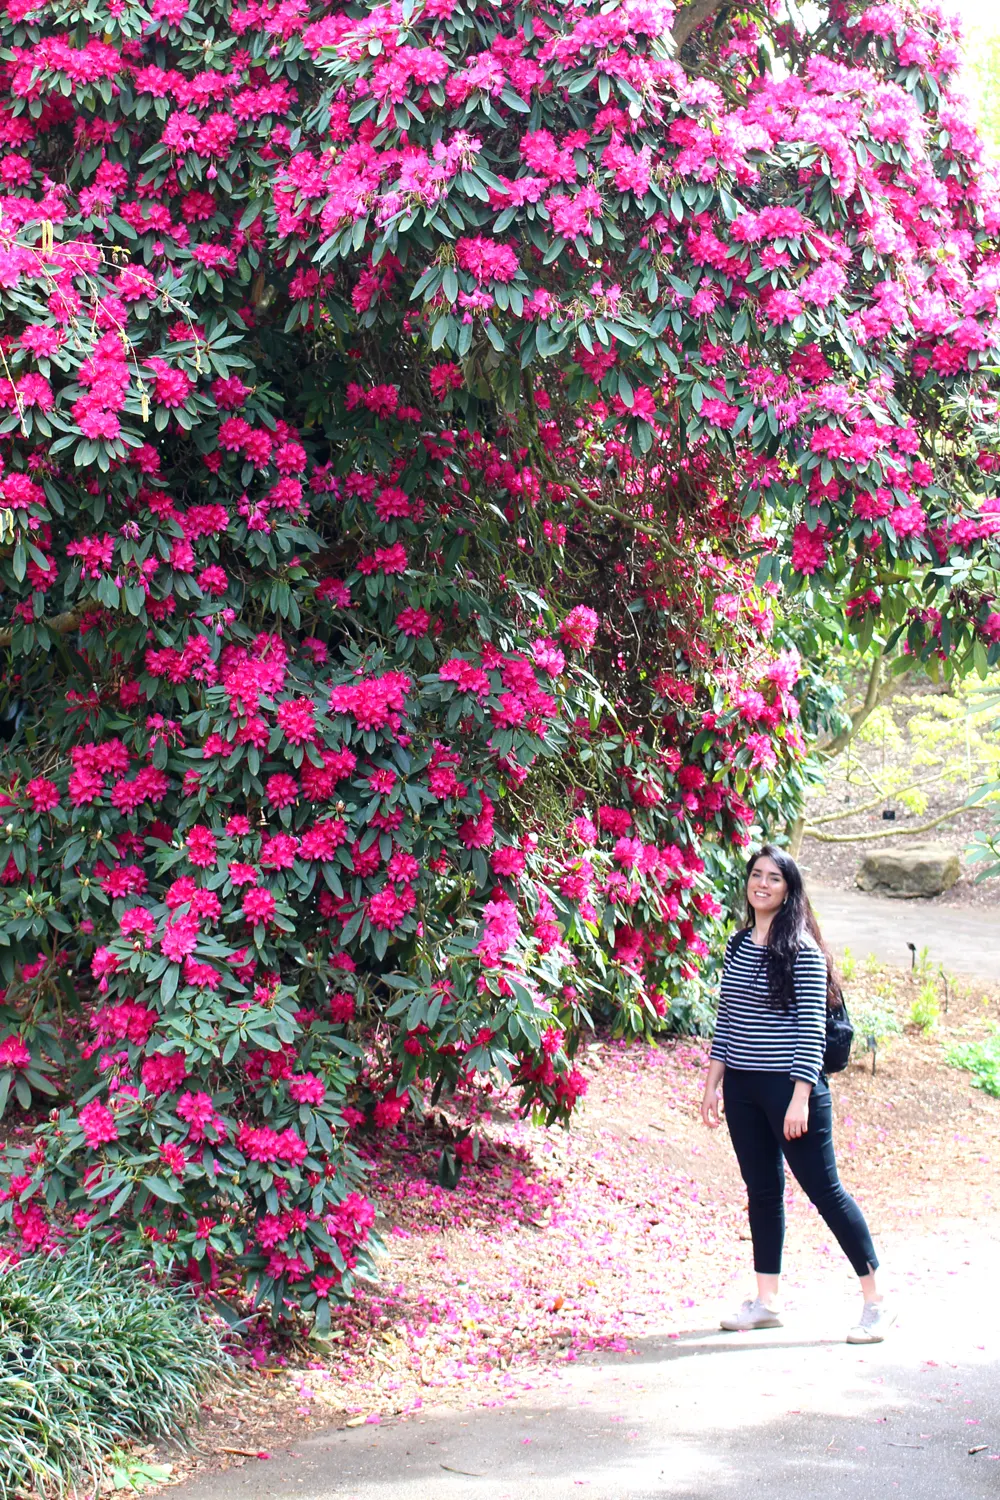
x: 93, y: 1354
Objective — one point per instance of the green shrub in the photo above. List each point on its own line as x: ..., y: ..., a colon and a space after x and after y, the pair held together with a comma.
x: 875, y: 1021
x: 982, y: 1060
x: 923, y: 963
x: 92, y: 1355
x: 925, y: 1011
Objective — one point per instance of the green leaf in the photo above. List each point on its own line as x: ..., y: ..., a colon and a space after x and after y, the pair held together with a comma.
x: 514, y: 101
x: 764, y: 567
x: 72, y: 851
x: 979, y: 660
x: 253, y: 211
x: 352, y: 928
x: 120, y: 1199
x: 108, y: 592
x: 162, y: 1189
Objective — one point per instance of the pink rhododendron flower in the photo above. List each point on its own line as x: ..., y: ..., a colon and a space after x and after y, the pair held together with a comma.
x: 14, y: 1053
x: 579, y: 629
x: 809, y: 548
x: 98, y: 1124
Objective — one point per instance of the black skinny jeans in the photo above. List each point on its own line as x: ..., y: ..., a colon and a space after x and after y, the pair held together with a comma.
x: 755, y: 1113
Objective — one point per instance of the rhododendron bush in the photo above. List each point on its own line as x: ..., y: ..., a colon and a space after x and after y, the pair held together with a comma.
x: 411, y: 415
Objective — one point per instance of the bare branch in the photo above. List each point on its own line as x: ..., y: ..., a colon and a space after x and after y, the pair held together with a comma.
x: 887, y: 833
x: 635, y: 523
x: 691, y: 17
x: 851, y: 812
x: 63, y: 624
x: 649, y: 528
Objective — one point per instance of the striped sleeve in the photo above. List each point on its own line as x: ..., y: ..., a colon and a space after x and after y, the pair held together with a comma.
x: 810, y: 1014
x: 721, y: 1034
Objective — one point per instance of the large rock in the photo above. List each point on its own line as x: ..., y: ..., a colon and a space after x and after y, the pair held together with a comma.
x: 920, y: 870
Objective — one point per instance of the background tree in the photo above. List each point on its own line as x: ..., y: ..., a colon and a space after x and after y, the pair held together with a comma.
x: 980, y: 63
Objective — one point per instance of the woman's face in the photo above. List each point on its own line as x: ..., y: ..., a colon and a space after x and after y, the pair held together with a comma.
x: 766, y: 887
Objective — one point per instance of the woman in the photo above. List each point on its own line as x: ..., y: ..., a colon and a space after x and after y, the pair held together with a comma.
x: 767, y: 1056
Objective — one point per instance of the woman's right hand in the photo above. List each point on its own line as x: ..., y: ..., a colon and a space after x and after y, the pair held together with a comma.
x: 711, y: 1100
x: 711, y: 1106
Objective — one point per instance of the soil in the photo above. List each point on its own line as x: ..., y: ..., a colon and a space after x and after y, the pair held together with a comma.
x: 556, y: 1245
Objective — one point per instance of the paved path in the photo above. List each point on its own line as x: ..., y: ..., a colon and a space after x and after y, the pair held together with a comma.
x: 964, y: 942
x: 787, y: 1414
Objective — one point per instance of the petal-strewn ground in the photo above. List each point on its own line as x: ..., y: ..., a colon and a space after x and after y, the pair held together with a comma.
x: 558, y: 1245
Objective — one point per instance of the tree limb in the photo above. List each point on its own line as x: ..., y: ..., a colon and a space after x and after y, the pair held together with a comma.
x: 871, y: 702
x: 63, y: 624
x: 850, y: 812
x: 612, y: 513
x: 606, y: 512
x: 690, y: 18
x: 887, y: 833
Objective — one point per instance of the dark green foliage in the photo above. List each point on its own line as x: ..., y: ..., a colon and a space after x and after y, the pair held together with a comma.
x: 93, y: 1353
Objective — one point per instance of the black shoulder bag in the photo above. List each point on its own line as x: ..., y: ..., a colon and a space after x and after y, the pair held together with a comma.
x: 839, y: 1037
x: 839, y: 1031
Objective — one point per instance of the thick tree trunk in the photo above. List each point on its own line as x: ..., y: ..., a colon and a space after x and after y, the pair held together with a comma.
x: 690, y: 17
x: 795, y: 836
x: 876, y: 690
x: 63, y: 624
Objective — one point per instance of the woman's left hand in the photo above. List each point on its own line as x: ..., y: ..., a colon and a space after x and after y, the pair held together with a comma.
x: 796, y: 1119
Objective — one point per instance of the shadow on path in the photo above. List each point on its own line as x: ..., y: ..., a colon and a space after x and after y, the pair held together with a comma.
x: 800, y: 1415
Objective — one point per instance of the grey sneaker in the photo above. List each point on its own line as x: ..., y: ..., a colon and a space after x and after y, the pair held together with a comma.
x: 753, y: 1314
x: 873, y: 1325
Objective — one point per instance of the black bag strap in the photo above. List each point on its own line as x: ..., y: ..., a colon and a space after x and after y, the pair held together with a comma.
x: 738, y: 939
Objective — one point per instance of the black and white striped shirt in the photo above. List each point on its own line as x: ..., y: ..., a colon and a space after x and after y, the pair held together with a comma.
x: 750, y: 1034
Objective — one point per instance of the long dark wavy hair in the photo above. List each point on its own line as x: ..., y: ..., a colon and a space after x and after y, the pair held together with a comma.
x: 794, y: 918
